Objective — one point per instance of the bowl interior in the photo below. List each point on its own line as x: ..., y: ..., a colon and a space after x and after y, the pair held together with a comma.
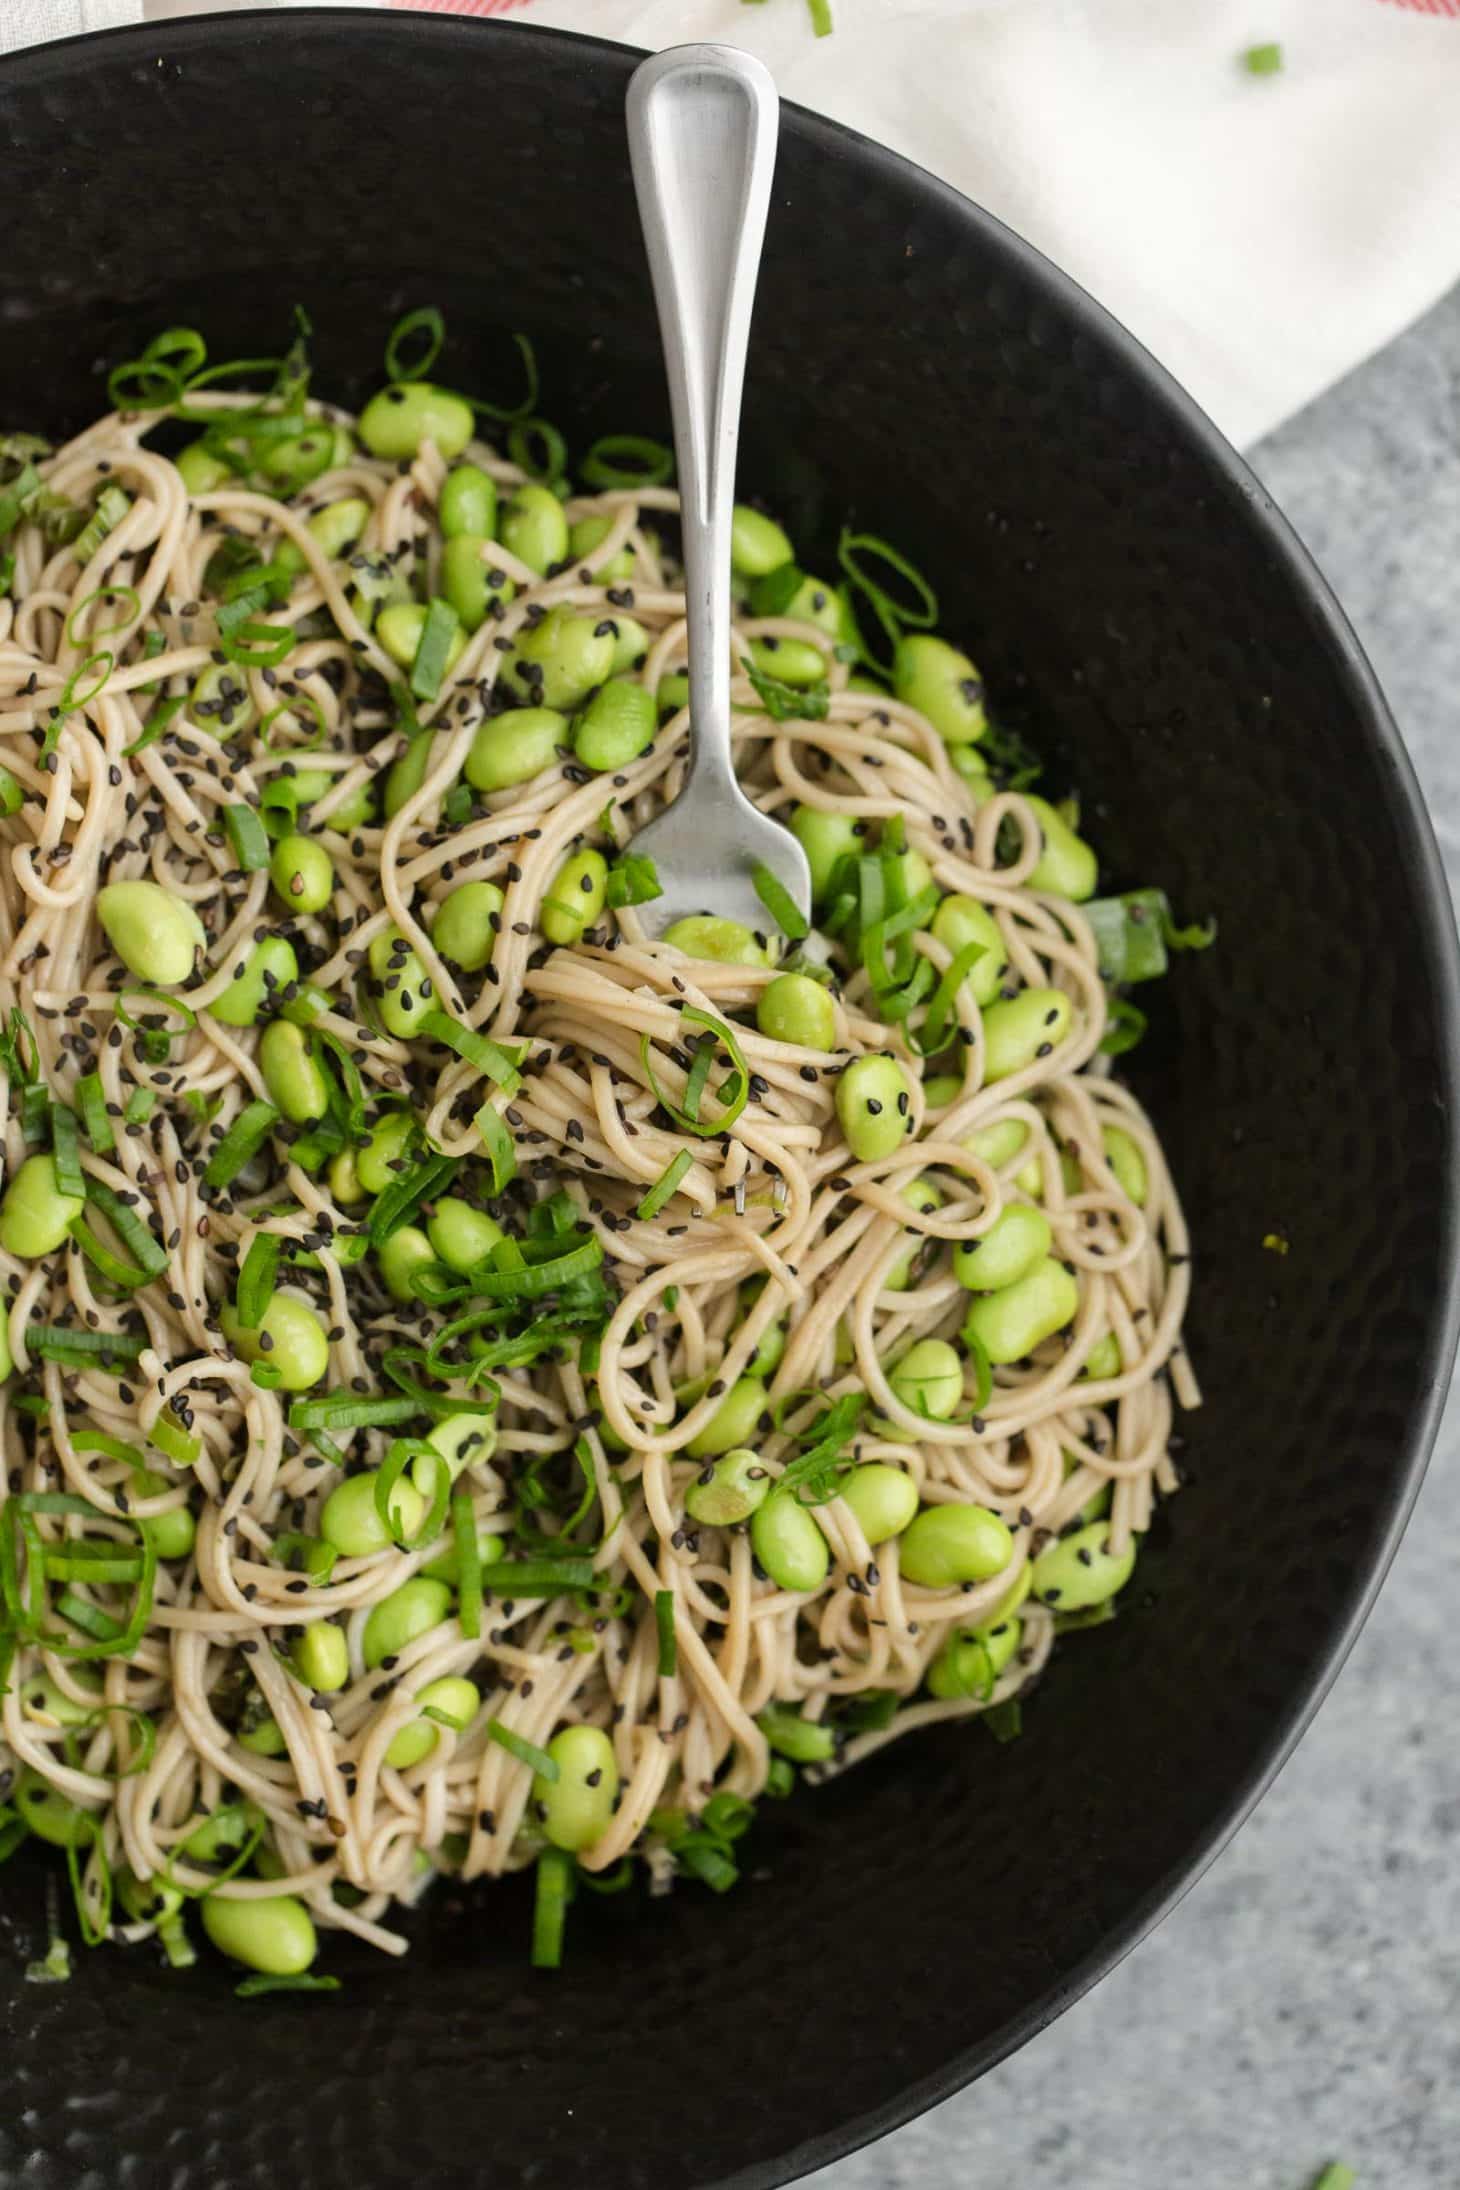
x: 1111, y: 567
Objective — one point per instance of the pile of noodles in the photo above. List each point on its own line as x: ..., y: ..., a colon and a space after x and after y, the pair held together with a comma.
x: 777, y: 1198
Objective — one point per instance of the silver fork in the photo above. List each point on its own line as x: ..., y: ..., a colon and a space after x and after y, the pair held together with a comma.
x: 702, y: 123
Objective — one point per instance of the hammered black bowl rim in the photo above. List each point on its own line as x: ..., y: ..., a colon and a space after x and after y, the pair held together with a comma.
x: 1272, y: 536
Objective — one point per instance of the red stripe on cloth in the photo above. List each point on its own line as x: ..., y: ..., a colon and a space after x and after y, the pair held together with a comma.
x: 1450, y: 8
x: 460, y: 7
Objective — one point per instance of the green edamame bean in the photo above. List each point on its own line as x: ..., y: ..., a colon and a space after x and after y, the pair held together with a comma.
x: 290, y: 1338
x: 200, y: 470
x: 883, y: 1499
x: 384, y: 1148
x: 404, y: 1252
x: 1067, y: 865
x: 155, y: 934
x: 559, y: 661
x: 337, y: 526
x: 412, y: 1610
x: 321, y: 1657
x: 257, y: 980
x: 1103, y: 1359
x: 949, y: 1544
x: 1125, y: 1159
x: 293, y: 1078
x: 352, y: 812
x: 222, y: 1835
x: 960, y: 921
x: 534, y: 527
x: 575, y: 897
x: 767, y: 1356
x: 803, y: 1740
x: 400, y: 418
x: 147, y: 1901
x: 730, y: 1425
x: 583, y: 538
x: 467, y: 925
x: 403, y: 987
x: 794, y: 1008
x: 453, y: 1699
x: 616, y: 726
x: 458, y: 1442
x: 629, y: 647
x: 1017, y: 1239
x: 929, y: 1380
x: 826, y: 839
x: 7, y: 1359
x: 577, y: 1807
x: 462, y: 1236
x: 873, y: 1103
x: 727, y: 942
x: 40, y: 1694
x: 406, y: 773
x: 513, y: 748
x: 344, y: 1179
x: 303, y: 873
x: 468, y: 503
x: 399, y: 626
x: 788, y: 1543
x: 1011, y: 1600
x: 671, y: 693
x: 816, y: 602
x: 261, y: 1736
x: 968, y: 763
x: 1081, y: 1570
x: 932, y: 676
x: 1010, y: 1323
x: 221, y: 702
x: 971, y: 1661
x: 757, y: 543
x: 998, y: 1142
x: 35, y: 1215
x: 351, y: 1523
x: 859, y: 681
x: 471, y: 580
x: 728, y: 1490
x: 918, y: 1194
x: 52, y: 1816
x: 290, y: 464
x: 172, y: 1534
x: 274, y: 1934
x: 1023, y: 1028
x: 791, y: 661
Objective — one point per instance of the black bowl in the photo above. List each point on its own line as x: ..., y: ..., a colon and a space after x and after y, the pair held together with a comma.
x: 1142, y: 612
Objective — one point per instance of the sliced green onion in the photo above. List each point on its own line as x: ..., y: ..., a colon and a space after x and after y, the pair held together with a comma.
x: 429, y: 667
x: 155, y: 1039
x: 539, y: 449
x: 403, y: 364
x: 12, y: 797
x: 526, y: 1752
x: 264, y: 1376
x: 1005, y: 1721
x: 1125, y: 1025
x: 258, y: 645
x: 706, y: 1860
x: 169, y: 1436
x: 556, y: 1874
x: 821, y: 22
x: 468, y: 1565
x: 634, y: 880
x: 512, y: 1578
x: 402, y: 1451
x: 351, y: 1411
x: 933, y: 1035
x: 626, y: 460
x: 157, y: 722
x: 854, y: 549
x: 779, y: 903
x: 392, y: 1207
x: 149, y: 1253
x: 75, y: 1349
x: 733, y: 1103
x: 788, y: 702
x: 488, y: 1056
x: 104, y: 593
x: 291, y: 707
x: 140, y: 1105
x: 91, y: 1889
x: 456, y: 812
x: 243, y: 1140
x: 92, y: 1098
x: 69, y: 1176
x: 666, y: 1185
x: 523, y: 409
x: 248, y: 837
x: 261, y: 1983
x: 316, y: 1557
x: 15, y: 497
x: 668, y: 1640
x: 256, y: 1278
x: 1267, y: 60
x: 497, y: 1146
x: 71, y: 695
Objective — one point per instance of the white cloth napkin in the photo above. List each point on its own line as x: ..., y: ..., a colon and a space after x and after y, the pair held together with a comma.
x: 1261, y: 234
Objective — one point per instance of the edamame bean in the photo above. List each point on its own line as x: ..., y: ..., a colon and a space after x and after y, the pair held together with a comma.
x: 406, y: 773
x: 727, y: 942
x: 400, y: 418
x: 468, y: 503
x: 399, y: 626
x: 462, y: 1236
x: 918, y: 1194
x: 577, y: 1807
x: 883, y: 1499
x: 257, y: 980
x: 928, y: 1380
x: 968, y: 763
x: 1081, y: 1570
x: 35, y: 1215
x: 453, y: 1699
x: 221, y: 702
x: 200, y: 470
x: 1103, y: 1359
x: 1018, y: 1238
x: 1010, y: 1323
x: 560, y: 661
x: 827, y: 839
x: 757, y: 543
x: 942, y: 1089
x: 629, y: 647
x: 321, y: 1657
x: 816, y: 602
x: 291, y: 1075
x: 671, y: 693
x: 790, y: 661
x: 788, y: 1543
x: 337, y: 526
x: 794, y: 1008
x: 616, y: 726
x: 803, y: 1740
x: 912, y: 872
x: 291, y: 463
x: 998, y: 1142
x: 303, y: 873
x: 1125, y: 1159
x: 457, y: 1443
x: 261, y: 1733
x: 155, y: 934
x: 172, y: 1534
x: 40, y: 1695
x: 1067, y: 865
x: 344, y: 1179
x: 412, y: 1610
x: 971, y: 1661
x: 950, y: 1544
x: 533, y: 527
x: 960, y: 921
x: 738, y: 1413
x: 52, y: 1816
x: 274, y: 1934
x: 446, y: 1567
x: 874, y: 1104
x: 471, y: 580
x: 403, y: 987
x: 7, y: 1359
x: 513, y: 748
x: 931, y: 675
x: 1023, y: 1028
x: 575, y: 897
x: 583, y: 538
x: 353, y: 812
x: 466, y: 927
x: 767, y: 1356
x: 351, y: 1523
x: 400, y: 1256
x: 728, y: 1490
x: 290, y: 1338
x: 384, y: 1150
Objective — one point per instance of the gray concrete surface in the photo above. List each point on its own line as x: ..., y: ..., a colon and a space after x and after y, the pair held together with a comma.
x: 1303, y: 2003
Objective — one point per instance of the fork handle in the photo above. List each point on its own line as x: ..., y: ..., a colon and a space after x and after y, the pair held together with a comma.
x: 702, y: 125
